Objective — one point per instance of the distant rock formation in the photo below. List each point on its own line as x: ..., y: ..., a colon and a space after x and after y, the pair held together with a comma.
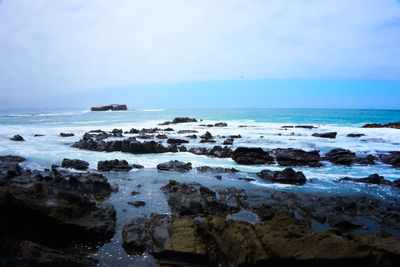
x: 112, y: 107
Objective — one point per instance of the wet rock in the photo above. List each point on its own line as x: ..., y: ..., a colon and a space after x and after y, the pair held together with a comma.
x: 368, y: 160
x: 176, y: 141
x: 179, y: 120
x: 66, y: 134
x: 219, y: 177
x: 297, y: 157
x: 39, y: 255
x: 137, y: 166
x: 341, y: 156
x: 355, y: 135
x: 325, y: 135
x: 306, y: 126
x: 395, y: 125
x: 287, y: 176
x: 220, y: 152
x: 391, y: 158
x: 193, y: 136
x: 150, y: 130
x: 251, y: 156
x: 207, y: 141
x: 175, y: 165
x: 372, y: 179
x: 161, y: 136
x: 113, y: 107
x: 168, y: 129
x: 114, y: 165
x: 134, y: 131
x: 11, y: 158
x: 221, y: 124
x: 38, y: 135
x: 228, y: 141
x: 17, y: 137
x: 187, y: 131
x: 182, y: 149
x: 207, y: 135
x: 76, y: 164
x: 9, y: 168
x: 137, y: 204
x: 216, y: 169
x: 134, y: 193
x: 198, y: 150
x: 145, y: 136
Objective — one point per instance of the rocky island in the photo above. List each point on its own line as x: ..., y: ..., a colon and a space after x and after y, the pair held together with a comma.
x: 113, y: 107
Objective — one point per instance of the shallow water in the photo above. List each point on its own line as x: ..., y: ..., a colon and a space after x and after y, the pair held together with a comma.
x: 42, y: 152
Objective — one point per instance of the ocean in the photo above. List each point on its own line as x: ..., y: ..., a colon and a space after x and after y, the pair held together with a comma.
x: 258, y: 128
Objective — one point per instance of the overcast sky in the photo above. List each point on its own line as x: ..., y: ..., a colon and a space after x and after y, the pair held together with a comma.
x: 62, y: 50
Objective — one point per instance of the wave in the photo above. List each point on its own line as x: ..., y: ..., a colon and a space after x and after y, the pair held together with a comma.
x: 152, y: 110
x: 66, y: 113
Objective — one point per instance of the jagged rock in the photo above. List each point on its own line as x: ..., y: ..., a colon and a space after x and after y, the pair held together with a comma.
x: 207, y: 135
x: 179, y: 120
x: 182, y: 149
x: 176, y: 141
x: 392, y: 158
x: 228, y: 141
x: 17, y: 137
x: 220, y: 152
x: 75, y: 164
x: 325, y: 135
x: 297, y: 157
x: 134, y: 131
x: 216, y: 169
x: 372, y: 179
x: 287, y: 176
x: 192, y: 136
x: 175, y: 165
x: 161, y: 136
x: 145, y: 136
x: 113, y: 107
x: 355, y: 135
x: 251, y: 156
x: 114, y: 165
x: 198, y: 150
x: 341, y: 156
x: 168, y: 129
x: 9, y: 168
x: 395, y: 125
x: 221, y: 124
x: 187, y: 131
x: 66, y: 134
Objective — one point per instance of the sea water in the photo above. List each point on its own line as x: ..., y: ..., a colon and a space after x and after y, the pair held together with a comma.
x: 258, y: 128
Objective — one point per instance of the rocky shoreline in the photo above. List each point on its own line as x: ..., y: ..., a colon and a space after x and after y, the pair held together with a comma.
x: 51, y: 213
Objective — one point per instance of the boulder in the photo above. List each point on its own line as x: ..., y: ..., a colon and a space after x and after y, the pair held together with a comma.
x: 391, y: 158
x: 187, y: 131
x: 251, y: 156
x: 216, y: 169
x: 297, y: 157
x: 17, y: 137
x: 75, y: 164
x: 175, y: 165
x: 179, y: 120
x: 228, y: 141
x: 355, y: 135
x: 287, y: 176
x: 207, y: 135
x: 66, y: 134
x: 325, y: 135
x: 394, y: 125
x: 176, y: 141
x: 372, y: 179
x: 221, y: 124
x: 341, y: 156
x: 9, y: 168
x: 114, y: 165
x: 161, y: 136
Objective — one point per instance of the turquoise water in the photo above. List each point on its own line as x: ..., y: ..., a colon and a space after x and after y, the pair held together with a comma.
x: 263, y: 129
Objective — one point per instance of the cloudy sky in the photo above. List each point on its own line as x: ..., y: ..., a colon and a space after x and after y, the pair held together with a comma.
x: 151, y: 53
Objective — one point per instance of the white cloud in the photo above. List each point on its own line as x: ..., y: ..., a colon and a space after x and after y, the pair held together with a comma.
x: 53, y: 47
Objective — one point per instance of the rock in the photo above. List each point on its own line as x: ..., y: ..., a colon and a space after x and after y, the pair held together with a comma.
x: 176, y: 141
x: 355, y: 135
x: 161, y: 136
x: 38, y: 135
x: 114, y: 165
x: 297, y: 157
x: 145, y: 136
x: 368, y: 160
x: 306, y: 126
x: 134, y: 193
x: 220, y: 152
x: 392, y: 158
x: 179, y: 120
x: 216, y: 169
x: 137, y: 204
x: 112, y: 107
x: 395, y: 125
x: 175, y: 165
x: 228, y: 141
x: 66, y: 134
x: 207, y: 135
x: 11, y: 158
x: 75, y: 164
x: 372, y: 179
x: 207, y: 141
x: 182, y: 149
x: 9, y: 168
x: 187, y: 131
x: 193, y: 136
x: 39, y: 255
x: 325, y: 135
x: 251, y: 156
x: 341, y: 156
x: 168, y: 129
x: 219, y: 177
x: 137, y: 166
x: 134, y: 131
x: 198, y: 150
x: 221, y: 124
x: 287, y: 176
x: 17, y: 137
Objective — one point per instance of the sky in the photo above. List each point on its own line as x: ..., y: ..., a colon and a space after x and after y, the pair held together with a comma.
x: 200, y: 53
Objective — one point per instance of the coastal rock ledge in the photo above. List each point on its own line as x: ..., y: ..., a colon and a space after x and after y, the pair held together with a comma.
x: 112, y: 107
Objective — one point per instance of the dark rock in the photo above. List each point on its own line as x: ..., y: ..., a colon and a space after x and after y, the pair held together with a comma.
x: 251, y: 156
x: 161, y: 136
x: 75, y: 164
x: 372, y: 179
x: 220, y: 152
x: 145, y: 136
x: 38, y: 135
x: 134, y: 131
x: 17, y: 137
x: 287, y: 176
x: 179, y: 120
x: 207, y: 135
x: 10, y: 158
x: 134, y: 193
x: 325, y: 135
x: 207, y: 141
x: 198, y: 150
x: 193, y: 136
x: 368, y: 160
x: 395, y: 125
x: 187, y: 131
x: 297, y: 157
x: 137, y: 166
x: 216, y: 169
x: 176, y: 141
x: 355, y: 135
x: 392, y: 158
x: 228, y: 141
x: 137, y: 204
x: 114, y: 165
x: 66, y: 134
x: 113, y: 107
x: 341, y: 156
x: 221, y: 124
x: 175, y: 165
x: 219, y: 177
x: 306, y: 126
x: 246, y: 179
x: 182, y: 149
x: 9, y: 168
x: 168, y: 129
